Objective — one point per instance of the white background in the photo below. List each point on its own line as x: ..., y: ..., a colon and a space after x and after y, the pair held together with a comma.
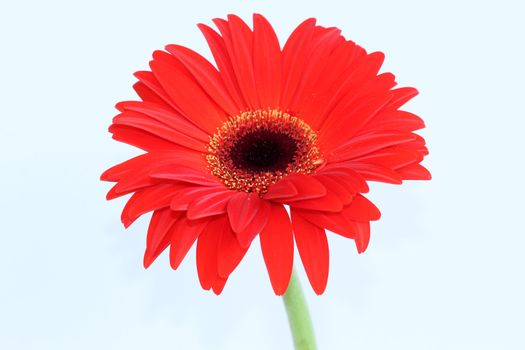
x: 445, y: 268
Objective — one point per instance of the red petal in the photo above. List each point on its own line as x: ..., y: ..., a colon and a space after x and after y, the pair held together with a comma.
x: 218, y: 284
x: 238, y: 39
x: 242, y: 209
x: 143, y: 139
x: 188, y: 96
x: 338, y: 223
x: 165, y: 115
x: 329, y: 202
x: 184, y: 174
x: 146, y: 94
x: 129, y: 184
x: 148, y: 79
x: 392, y: 157
x: 159, y: 234
x: 142, y: 122
x: 401, y: 96
x: 335, y: 222
x: 368, y: 143
x: 136, y: 174
x: 307, y: 188
x: 345, y: 175
x: 295, y: 53
x: 337, y: 187
x: 362, y: 238
x: 346, y: 123
x: 220, y: 54
x: 361, y: 209
x: 414, y: 172
x: 209, y: 205
x: 396, y: 120
x: 183, y: 197
x: 246, y: 237
x: 374, y: 172
x: 281, y: 190
x: 156, y: 197
x: 330, y: 85
x: 277, y: 248
x: 313, y: 248
x: 323, y: 43
x: 347, y: 99
x: 266, y: 62
x: 185, y: 233
x: 116, y: 172
x: 207, y: 247
x: 230, y: 252
x: 207, y: 76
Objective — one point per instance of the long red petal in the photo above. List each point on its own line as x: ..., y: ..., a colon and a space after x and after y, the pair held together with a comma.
x: 166, y: 116
x: 277, y: 248
x: 185, y: 233
x: 224, y: 63
x: 188, y: 96
x: 207, y: 76
x: 295, y: 52
x: 143, y: 139
x: 230, y: 252
x: 179, y: 172
x: 238, y: 39
x: 152, y: 198
x: 313, y: 248
x: 159, y: 234
x: 161, y: 130
x: 266, y: 62
x: 207, y: 248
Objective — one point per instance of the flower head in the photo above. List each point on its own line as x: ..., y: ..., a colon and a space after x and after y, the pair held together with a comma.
x: 227, y: 146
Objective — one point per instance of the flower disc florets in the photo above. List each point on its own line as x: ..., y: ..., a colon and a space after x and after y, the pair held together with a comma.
x: 255, y: 149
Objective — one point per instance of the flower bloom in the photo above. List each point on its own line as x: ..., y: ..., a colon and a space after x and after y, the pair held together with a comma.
x: 227, y: 146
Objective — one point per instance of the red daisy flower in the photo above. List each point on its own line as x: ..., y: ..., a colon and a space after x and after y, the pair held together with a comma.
x: 228, y: 146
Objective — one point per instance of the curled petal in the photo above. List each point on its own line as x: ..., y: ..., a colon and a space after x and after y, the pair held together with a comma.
x: 258, y: 223
x: 242, y: 209
x: 307, y: 187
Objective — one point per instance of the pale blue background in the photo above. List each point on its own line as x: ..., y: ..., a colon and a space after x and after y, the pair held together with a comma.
x: 445, y: 268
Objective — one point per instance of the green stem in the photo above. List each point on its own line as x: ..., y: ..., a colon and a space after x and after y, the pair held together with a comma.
x: 298, y: 315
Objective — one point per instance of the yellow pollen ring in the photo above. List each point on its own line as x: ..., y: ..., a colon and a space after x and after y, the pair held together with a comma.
x: 306, y: 159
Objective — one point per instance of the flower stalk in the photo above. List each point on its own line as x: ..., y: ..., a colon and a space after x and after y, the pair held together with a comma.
x: 298, y: 315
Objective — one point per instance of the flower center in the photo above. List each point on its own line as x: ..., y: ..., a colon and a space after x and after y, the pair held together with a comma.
x: 255, y: 149
x: 263, y: 151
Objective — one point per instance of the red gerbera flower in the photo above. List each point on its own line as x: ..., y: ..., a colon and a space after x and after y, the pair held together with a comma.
x: 228, y: 146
